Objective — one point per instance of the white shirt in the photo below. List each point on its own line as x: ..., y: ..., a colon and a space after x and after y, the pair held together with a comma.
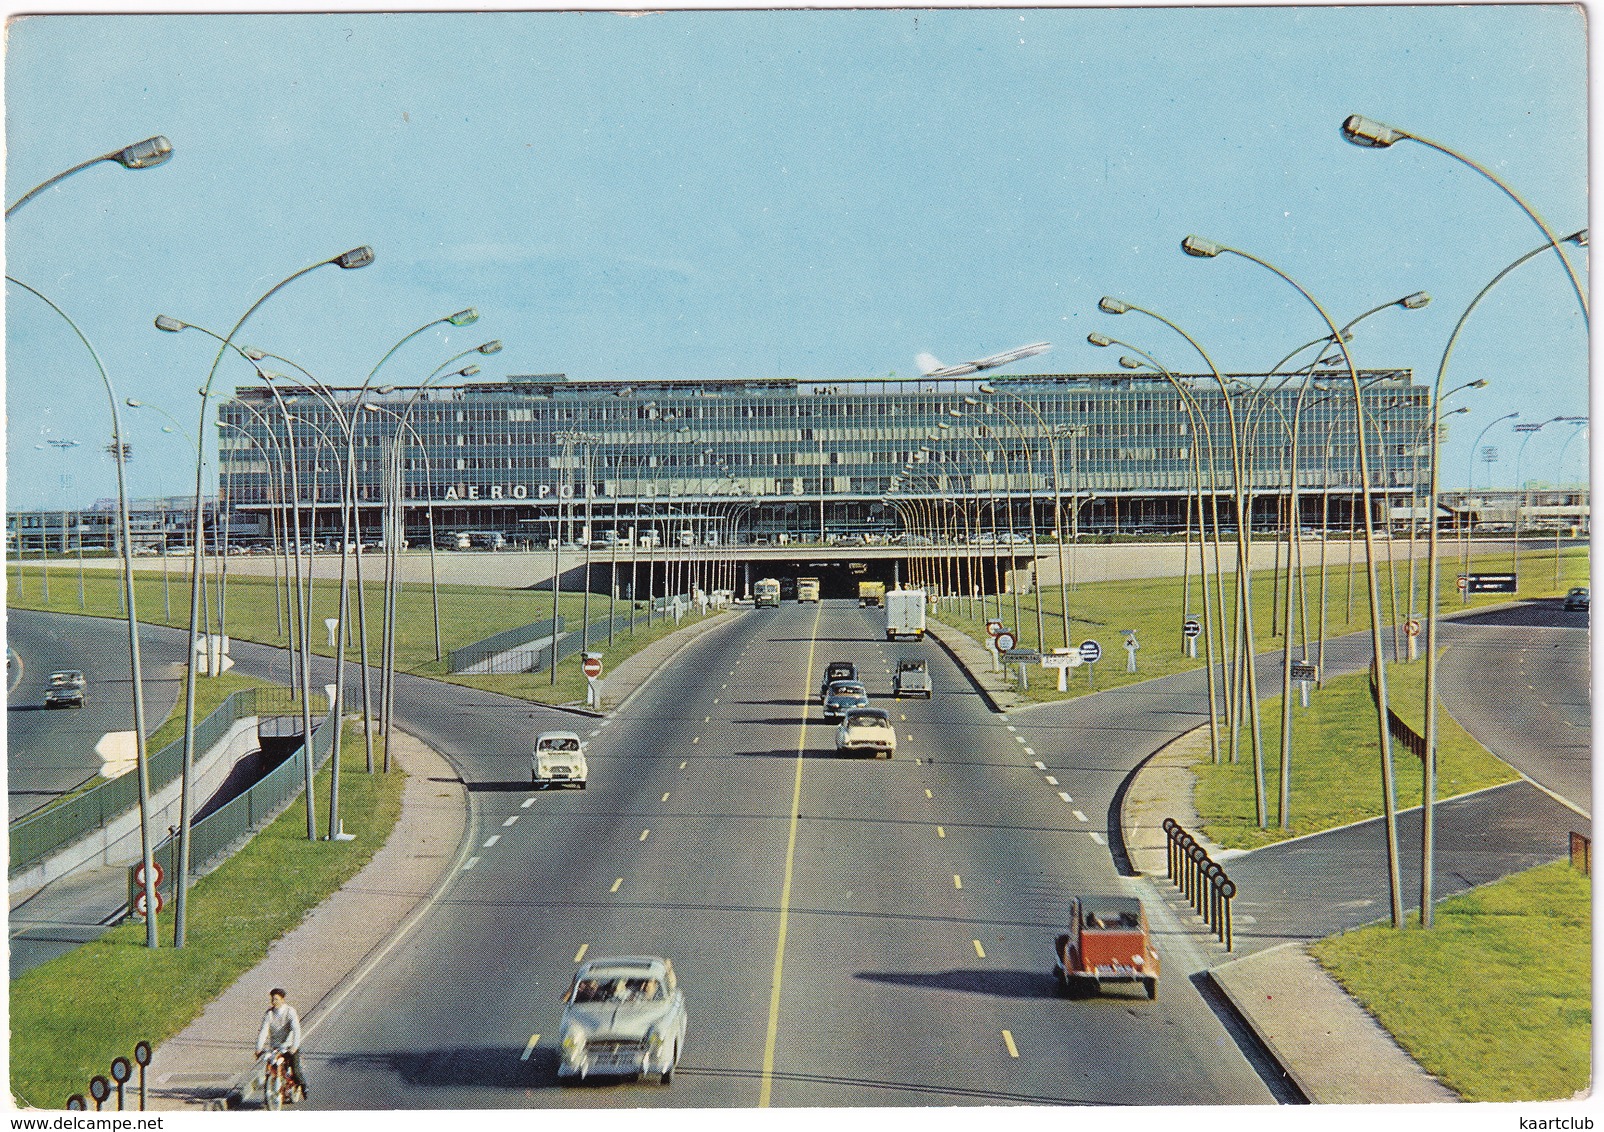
x: 281, y: 1026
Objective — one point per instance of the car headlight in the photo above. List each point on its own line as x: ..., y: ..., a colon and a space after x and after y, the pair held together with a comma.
x: 654, y: 1039
x: 1137, y: 960
x: 573, y: 1041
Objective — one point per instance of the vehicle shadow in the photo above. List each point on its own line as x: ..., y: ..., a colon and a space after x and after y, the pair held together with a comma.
x: 1538, y: 612
x: 515, y: 786
x: 496, y: 1067
x: 973, y: 980
x: 26, y: 707
x: 791, y: 753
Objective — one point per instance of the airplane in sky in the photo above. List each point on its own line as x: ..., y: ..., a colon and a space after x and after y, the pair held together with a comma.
x: 930, y: 365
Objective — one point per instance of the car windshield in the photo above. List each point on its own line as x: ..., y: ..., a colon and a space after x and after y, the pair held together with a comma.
x: 868, y: 721
x: 559, y: 744
x: 848, y: 690
x: 618, y: 989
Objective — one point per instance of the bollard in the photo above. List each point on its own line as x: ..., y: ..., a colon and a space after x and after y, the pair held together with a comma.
x: 121, y: 1070
x: 1200, y: 879
x: 142, y: 1059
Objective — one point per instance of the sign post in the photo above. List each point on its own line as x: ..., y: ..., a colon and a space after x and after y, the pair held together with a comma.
x: 1412, y: 629
x: 1063, y: 660
x: 592, y: 668
x: 1304, y: 673
x: 1131, y: 646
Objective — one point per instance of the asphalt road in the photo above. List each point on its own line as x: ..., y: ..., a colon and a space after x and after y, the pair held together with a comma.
x: 848, y: 931
x: 52, y: 752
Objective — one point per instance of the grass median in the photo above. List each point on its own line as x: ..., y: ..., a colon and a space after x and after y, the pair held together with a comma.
x: 1496, y: 999
x: 72, y: 1015
x: 256, y: 610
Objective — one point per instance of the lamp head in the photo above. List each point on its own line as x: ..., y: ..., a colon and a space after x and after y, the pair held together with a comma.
x: 464, y: 318
x: 971, y: 402
x: 1130, y: 363
x: 987, y: 388
x: 132, y: 404
x: 1110, y: 305
x: 1097, y: 339
x: 491, y: 347
x: 1479, y: 383
x: 144, y: 155
x: 467, y: 371
x: 169, y: 324
x: 1414, y: 302
x: 1577, y: 238
x: 1362, y: 131
x: 1201, y: 248
x: 356, y: 257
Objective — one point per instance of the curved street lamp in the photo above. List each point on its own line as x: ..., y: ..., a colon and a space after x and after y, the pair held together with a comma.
x: 356, y: 257
x: 1205, y: 249
x: 1369, y: 134
x: 141, y: 155
x: 136, y: 670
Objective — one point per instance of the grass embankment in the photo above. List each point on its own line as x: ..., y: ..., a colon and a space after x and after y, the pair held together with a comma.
x: 71, y: 1016
x: 1496, y: 999
x: 468, y: 614
x: 1153, y: 608
x: 1336, y: 772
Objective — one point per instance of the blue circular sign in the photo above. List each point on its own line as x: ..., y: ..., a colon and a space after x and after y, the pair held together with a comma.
x: 1091, y: 651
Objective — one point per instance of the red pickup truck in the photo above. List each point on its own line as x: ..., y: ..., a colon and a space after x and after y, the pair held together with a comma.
x: 1107, y: 942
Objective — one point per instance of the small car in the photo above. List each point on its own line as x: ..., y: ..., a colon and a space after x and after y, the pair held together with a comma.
x: 912, y: 678
x: 867, y: 729
x: 1580, y: 597
x: 624, y: 1017
x: 836, y: 670
x: 842, y: 695
x: 64, y: 696
x: 1107, y: 942
x: 558, y: 759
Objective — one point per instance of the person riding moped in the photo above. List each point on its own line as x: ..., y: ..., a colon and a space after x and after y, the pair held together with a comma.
x: 281, y: 1032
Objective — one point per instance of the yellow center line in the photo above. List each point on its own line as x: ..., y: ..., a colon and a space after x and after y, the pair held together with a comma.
x: 772, y: 1038
x: 980, y: 951
x: 580, y: 954
x: 665, y: 796
x: 616, y: 885
x: 530, y: 1048
x: 941, y: 831
x: 682, y: 766
x: 644, y: 834
x: 1008, y: 1040
x: 957, y: 881
x: 928, y: 794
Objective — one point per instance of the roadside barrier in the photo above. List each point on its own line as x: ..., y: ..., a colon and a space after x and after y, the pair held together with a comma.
x: 1582, y: 853
x: 101, y: 1088
x: 37, y: 836
x: 458, y: 660
x: 1201, y: 880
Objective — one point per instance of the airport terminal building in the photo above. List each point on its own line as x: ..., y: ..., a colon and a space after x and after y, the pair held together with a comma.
x: 534, y: 458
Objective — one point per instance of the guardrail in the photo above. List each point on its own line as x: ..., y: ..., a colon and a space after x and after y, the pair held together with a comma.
x: 1201, y: 880
x: 505, y: 641
x: 37, y: 836
x: 242, y: 816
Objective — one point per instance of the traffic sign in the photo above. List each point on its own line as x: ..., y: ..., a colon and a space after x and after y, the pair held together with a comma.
x: 1304, y: 671
x: 1412, y: 627
x: 1492, y: 583
x: 993, y: 627
x: 1022, y: 656
x: 1091, y: 651
x: 1061, y: 660
x: 140, y: 904
x: 139, y: 873
x: 1192, y: 628
x: 593, y: 667
x: 1462, y: 581
x: 1004, y: 641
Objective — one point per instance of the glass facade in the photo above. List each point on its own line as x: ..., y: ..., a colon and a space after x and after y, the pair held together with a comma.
x: 1102, y: 451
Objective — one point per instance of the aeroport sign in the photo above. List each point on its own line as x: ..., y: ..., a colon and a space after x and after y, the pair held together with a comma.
x: 495, y: 491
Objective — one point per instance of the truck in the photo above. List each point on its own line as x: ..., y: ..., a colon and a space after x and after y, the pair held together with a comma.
x: 905, y: 614
x: 807, y: 589
x: 766, y: 592
x: 871, y: 593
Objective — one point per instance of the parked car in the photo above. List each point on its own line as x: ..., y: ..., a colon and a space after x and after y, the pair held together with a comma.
x: 1580, y: 597
x: 912, y: 678
x: 558, y: 759
x: 843, y: 695
x: 1107, y: 942
x: 624, y: 1017
x: 867, y: 729
x: 837, y: 670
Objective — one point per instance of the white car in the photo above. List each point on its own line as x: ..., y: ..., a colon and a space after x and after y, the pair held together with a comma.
x: 867, y: 729
x: 625, y: 1017
x: 559, y: 758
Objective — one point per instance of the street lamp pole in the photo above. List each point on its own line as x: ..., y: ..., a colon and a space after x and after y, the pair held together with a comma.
x: 141, y: 155
x: 136, y: 670
x: 1194, y: 246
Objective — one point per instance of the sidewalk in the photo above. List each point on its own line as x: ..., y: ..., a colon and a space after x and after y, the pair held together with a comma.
x: 333, y: 948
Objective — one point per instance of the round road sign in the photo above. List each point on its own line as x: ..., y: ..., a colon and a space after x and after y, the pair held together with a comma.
x: 1462, y: 581
x: 1004, y: 641
x: 1192, y: 628
x: 140, y: 904
x: 139, y: 873
x: 593, y: 667
x: 1090, y: 651
x: 993, y: 627
x: 1412, y: 627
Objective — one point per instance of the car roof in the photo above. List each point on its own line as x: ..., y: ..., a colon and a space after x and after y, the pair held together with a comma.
x: 544, y: 735
x: 1110, y: 907
x: 636, y: 965
x: 874, y: 712
x: 846, y: 686
x: 66, y: 672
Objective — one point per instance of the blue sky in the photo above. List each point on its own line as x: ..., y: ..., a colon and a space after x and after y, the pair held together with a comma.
x: 817, y: 194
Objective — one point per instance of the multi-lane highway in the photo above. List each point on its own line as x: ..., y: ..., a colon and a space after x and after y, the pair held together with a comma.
x: 847, y: 931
